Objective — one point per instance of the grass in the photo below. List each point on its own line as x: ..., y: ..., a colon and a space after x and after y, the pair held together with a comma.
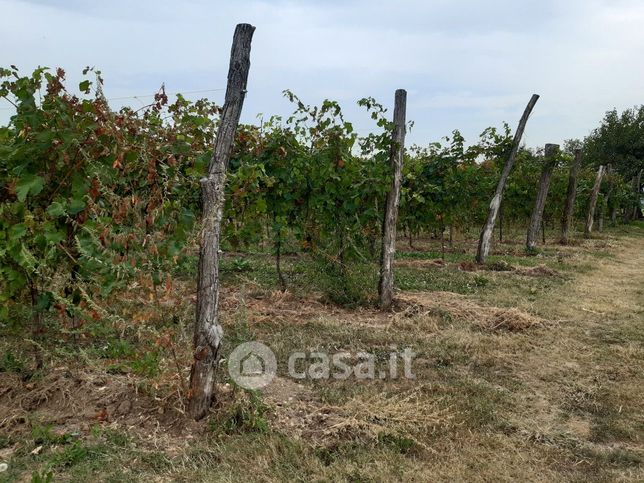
x: 557, y: 400
x: 444, y: 280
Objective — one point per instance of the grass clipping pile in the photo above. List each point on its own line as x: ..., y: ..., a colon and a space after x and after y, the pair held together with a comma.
x: 458, y: 307
x: 406, y: 415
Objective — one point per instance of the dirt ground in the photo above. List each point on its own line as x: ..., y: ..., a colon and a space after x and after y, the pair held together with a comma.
x: 532, y: 370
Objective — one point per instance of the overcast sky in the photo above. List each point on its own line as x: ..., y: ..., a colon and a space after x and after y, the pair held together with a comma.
x: 465, y: 64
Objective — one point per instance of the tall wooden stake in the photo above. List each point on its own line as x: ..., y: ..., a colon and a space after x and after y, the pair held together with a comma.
x: 501, y: 223
x: 590, y: 217
x: 386, y: 285
x: 637, y: 188
x: 540, y: 203
x: 486, y: 234
x: 569, y: 207
x: 629, y: 211
x: 606, y: 201
x: 208, y: 332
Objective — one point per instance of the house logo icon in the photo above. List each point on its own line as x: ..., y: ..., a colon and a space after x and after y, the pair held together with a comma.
x: 252, y: 365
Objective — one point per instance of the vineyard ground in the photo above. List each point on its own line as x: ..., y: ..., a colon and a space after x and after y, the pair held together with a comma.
x: 530, y: 369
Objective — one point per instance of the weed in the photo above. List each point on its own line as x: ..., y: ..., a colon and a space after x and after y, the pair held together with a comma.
x: 246, y: 414
x: 44, y: 476
x: 43, y: 434
x: 241, y: 265
x: 11, y: 363
x: 499, y: 266
x: 399, y: 444
x: 186, y: 266
x: 118, y: 368
x: 347, y: 284
x: 6, y: 441
x: 148, y: 365
x: 117, y: 348
x: 531, y: 252
x: 481, y: 281
x: 71, y: 455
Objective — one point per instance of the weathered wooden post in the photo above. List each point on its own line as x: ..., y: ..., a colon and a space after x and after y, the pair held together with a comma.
x: 637, y: 189
x: 486, y: 233
x: 613, y: 215
x: 569, y: 207
x: 600, y: 214
x: 386, y: 284
x: 544, y: 184
x: 606, y: 199
x: 590, y: 217
x: 208, y: 332
x: 501, y: 223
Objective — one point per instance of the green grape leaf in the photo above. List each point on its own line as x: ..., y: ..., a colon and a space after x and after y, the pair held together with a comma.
x: 84, y: 86
x: 29, y: 184
x: 76, y: 205
x: 17, y: 231
x: 56, y: 209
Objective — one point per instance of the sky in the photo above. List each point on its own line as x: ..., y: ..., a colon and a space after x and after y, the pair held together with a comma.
x: 466, y: 64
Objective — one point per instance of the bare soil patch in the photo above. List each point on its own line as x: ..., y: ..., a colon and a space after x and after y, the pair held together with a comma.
x: 71, y: 400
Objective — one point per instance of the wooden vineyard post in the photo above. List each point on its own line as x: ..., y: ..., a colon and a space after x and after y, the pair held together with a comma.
x: 593, y: 203
x: 501, y: 223
x: 613, y: 215
x: 544, y: 184
x: 629, y: 211
x: 637, y: 189
x: 386, y: 284
x: 208, y: 332
x: 606, y: 201
x: 569, y: 207
x: 488, y: 229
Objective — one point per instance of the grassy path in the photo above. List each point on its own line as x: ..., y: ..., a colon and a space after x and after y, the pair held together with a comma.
x: 583, y: 378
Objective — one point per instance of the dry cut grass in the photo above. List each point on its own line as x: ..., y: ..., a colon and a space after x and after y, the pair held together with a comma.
x: 461, y: 308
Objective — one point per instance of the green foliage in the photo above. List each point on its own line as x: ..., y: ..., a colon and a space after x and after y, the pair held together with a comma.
x: 303, y: 177
x: 347, y: 284
x: 146, y: 365
x: 44, y: 476
x: 72, y: 454
x: 43, y: 434
x: 246, y: 415
x: 619, y: 140
x: 449, y: 185
x: 94, y: 200
x: 11, y: 363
